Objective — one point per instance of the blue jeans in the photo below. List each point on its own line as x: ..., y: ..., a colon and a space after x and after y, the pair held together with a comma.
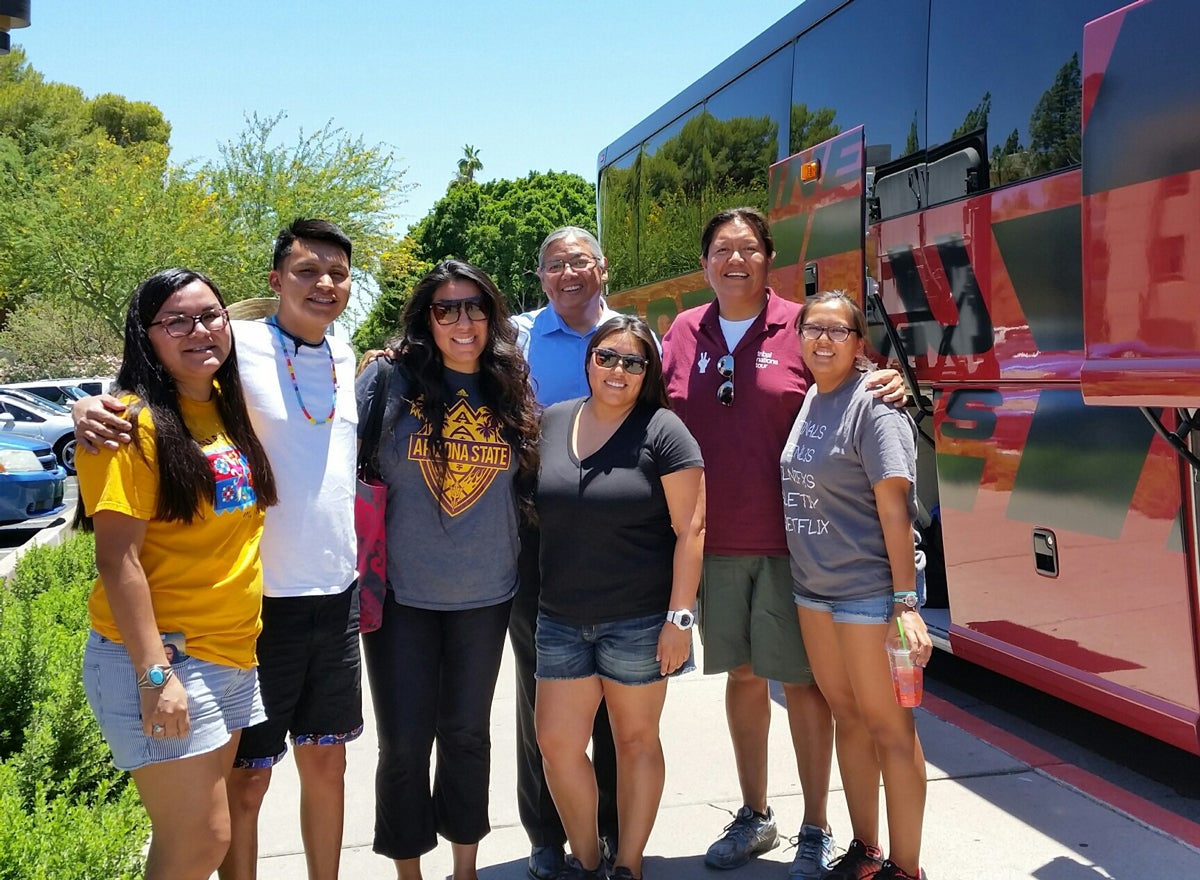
x: 622, y: 651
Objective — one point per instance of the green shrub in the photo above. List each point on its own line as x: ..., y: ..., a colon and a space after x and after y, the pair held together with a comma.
x: 65, y: 811
x: 60, y: 838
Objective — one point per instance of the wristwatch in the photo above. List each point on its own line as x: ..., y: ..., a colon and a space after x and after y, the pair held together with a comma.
x: 908, y: 598
x: 155, y: 677
x: 682, y: 618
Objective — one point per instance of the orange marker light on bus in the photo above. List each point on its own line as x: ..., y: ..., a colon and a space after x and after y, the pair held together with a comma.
x: 810, y: 170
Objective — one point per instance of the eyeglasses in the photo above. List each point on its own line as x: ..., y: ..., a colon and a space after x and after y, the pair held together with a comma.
x: 725, y: 391
x: 448, y: 311
x: 813, y: 332
x: 179, y: 326
x: 634, y: 364
x: 579, y: 264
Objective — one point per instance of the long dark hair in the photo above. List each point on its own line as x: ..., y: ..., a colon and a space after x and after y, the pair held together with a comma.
x: 503, y: 375
x: 654, y: 390
x: 185, y: 476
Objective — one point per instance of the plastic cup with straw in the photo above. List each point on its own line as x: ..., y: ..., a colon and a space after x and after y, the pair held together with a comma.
x: 908, y: 679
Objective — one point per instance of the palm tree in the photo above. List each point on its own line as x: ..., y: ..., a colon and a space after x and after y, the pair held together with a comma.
x: 468, y: 165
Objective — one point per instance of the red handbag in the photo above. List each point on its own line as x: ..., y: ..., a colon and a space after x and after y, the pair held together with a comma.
x: 370, y: 508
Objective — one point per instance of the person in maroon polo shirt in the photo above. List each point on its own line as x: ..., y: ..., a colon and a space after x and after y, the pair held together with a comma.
x: 735, y: 376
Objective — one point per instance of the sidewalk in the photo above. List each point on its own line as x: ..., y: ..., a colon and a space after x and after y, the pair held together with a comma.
x: 989, y: 814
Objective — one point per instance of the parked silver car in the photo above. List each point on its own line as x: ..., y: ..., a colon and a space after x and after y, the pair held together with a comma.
x: 62, y: 394
x: 28, y: 415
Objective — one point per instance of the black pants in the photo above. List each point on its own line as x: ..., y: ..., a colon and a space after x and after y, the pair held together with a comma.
x: 536, y: 807
x: 433, y: 675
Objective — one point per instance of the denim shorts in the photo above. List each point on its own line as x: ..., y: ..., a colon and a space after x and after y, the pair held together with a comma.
x: 873, y: 609
x: 622, y: 651
x: 221, y: 699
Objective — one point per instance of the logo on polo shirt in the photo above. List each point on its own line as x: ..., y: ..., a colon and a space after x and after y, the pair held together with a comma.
x: 765, y: 359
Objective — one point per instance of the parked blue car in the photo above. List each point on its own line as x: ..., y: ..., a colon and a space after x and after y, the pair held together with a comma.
x: 31, y: 480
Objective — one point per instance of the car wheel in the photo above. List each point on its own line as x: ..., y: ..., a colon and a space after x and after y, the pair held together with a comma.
x: 65, y: 450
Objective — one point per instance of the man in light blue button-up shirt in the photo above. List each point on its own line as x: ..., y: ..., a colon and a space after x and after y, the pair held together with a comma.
x: 554, y: 340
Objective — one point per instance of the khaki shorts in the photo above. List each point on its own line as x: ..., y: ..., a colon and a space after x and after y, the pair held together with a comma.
x: 748, y: 616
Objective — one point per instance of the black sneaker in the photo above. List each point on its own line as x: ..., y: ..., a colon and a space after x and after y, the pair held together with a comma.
x: 545, y: 862
x: 890, y: 871
x: 748, y: 835
x: 572, y: 870
x: 620, y: 872
x: 860, y: 862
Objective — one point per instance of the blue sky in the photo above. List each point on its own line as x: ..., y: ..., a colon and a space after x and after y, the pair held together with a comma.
x: 535, y: 86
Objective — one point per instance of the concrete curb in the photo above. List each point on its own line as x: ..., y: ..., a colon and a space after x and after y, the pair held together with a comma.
x: 48, y: 536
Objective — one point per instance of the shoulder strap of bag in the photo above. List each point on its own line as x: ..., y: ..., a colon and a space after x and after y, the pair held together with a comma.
x: 368, y: 465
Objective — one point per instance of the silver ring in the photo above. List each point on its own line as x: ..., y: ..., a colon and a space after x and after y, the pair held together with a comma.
x: 157, y: 728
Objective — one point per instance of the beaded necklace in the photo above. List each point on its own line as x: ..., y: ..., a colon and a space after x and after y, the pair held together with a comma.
x: 296, y: 385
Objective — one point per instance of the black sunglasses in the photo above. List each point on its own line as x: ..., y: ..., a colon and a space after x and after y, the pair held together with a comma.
x: 725, y: 391
x: 448, y: 311
x: 634, y: 364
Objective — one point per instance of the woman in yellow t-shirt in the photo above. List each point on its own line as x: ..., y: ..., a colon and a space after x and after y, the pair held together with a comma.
x: 169, y: 668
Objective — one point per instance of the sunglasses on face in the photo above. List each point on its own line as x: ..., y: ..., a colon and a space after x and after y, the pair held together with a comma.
x: 634, y: 364
x: 725, y: 391
x: 448, y: 311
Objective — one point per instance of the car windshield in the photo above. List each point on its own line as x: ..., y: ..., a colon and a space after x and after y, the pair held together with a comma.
x: 34, y: 401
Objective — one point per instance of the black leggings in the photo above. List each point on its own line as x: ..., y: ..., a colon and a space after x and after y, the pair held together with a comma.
x: 433, y: 676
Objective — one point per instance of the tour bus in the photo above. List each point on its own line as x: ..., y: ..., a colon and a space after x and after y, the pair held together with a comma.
x: 1017, y: 206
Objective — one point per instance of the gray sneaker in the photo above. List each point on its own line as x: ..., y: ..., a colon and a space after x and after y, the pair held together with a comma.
x: 814, y: 852
x: 748, y: 835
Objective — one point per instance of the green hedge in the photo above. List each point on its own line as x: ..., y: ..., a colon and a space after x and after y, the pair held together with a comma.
x: 65, y: 812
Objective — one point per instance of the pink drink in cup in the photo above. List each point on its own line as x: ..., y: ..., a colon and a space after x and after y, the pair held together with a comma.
x: 908, y: 679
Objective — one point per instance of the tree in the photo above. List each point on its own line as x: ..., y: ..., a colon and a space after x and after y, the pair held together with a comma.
x: 976, y: 118
x: 809, y: 128
x: 88, y: 232
x: 103, y: 217
x: 399, y: 270
x: 49, y: 339
x: 41, y: 118
x: 129, y: 122
x: 468, y: 165
x: 92, y: 204
x: 1054, y: 138
x: 515, y: 216
x: 498, y: 226
x: 258, y: 186
x: 912, y: 143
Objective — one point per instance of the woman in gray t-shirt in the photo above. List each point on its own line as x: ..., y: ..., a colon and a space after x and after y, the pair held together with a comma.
x: 458, y: 454
x: 848, y: 473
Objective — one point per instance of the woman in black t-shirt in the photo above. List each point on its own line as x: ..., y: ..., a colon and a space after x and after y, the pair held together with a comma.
x: 619, y: 468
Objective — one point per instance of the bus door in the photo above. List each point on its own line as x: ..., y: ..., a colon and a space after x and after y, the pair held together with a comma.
x: 816, y: 211
x: 1141, y: 241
